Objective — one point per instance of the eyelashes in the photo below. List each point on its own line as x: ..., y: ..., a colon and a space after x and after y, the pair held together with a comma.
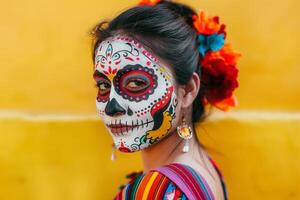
x: 103, y: 87
x: 135, y: 84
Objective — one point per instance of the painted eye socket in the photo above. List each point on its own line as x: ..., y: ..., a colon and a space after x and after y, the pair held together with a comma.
x: 104, y: 87
x: 136, y: 84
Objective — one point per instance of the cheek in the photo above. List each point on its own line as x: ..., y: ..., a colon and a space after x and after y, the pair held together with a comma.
x: 100, y: 106
x: 142, y: 112
x: 102, y: 98
x: 163, y: 103
x: 158, y: 101
x: 163, y: 113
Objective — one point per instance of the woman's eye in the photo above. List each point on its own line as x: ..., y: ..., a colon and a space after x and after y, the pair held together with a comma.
x: 104, y: 88
x: 136, y: 85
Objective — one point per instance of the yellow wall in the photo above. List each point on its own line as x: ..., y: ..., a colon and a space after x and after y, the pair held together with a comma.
x: 52, y: 146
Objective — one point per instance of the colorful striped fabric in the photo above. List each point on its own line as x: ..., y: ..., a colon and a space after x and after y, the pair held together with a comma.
x: 152, y: 186
x: 169, y: 182
x: 186, y: 178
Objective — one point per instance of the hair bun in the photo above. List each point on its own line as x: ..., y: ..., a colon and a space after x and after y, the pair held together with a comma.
x: 183, y: 10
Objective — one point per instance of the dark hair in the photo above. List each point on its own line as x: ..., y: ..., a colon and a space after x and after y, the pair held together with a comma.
x: 167, y: 29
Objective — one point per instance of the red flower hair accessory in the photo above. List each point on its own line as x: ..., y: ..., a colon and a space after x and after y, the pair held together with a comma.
x: 219, y: 71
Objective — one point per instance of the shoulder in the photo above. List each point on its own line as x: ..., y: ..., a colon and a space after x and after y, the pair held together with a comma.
x: 151, y: 185
x: 172, y: 181
x: 193, y: 184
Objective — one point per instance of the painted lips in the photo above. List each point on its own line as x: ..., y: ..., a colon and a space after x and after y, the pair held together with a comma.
x: 119, y: 129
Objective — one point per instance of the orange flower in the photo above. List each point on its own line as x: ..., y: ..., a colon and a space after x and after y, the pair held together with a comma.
x: 148, y: 2
x: 227, y: 103
x: 208, y: 25
x: 227, y: 54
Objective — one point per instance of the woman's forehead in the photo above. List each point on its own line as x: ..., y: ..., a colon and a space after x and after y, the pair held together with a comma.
x: 123, y: 43
x: 119, y: 51
x: 117, y: 45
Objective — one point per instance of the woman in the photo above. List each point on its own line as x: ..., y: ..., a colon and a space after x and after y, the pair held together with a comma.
x: 158, y: 65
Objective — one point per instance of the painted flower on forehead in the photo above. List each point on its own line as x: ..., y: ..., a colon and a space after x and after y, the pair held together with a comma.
x: 110, y: 73
x: 136, y: 98
x: 148, y: 2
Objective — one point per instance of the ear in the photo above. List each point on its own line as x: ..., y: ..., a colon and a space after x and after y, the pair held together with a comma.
x: 190, y: 91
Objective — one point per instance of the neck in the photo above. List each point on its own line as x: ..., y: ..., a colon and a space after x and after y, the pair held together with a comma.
x: 166, y: 151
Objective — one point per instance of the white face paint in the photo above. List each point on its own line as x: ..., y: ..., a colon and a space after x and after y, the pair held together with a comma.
x: 136, y: 98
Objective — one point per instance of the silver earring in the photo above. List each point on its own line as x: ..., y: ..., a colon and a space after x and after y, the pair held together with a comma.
x: 113, y: 153
x: 185, y: 132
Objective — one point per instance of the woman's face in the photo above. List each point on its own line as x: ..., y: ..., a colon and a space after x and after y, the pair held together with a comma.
x: 136, y: 99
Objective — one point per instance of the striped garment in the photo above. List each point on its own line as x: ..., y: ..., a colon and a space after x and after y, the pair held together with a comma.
x: 169, y: 182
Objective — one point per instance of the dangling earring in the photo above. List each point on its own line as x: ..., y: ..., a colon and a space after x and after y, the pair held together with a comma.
x: 113, y: 153
x: 185, y: 132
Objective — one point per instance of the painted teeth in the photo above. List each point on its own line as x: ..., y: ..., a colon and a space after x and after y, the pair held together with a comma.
x: 118, y: 126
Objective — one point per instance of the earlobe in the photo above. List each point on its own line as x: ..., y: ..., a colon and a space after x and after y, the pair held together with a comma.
x: 191, y: 90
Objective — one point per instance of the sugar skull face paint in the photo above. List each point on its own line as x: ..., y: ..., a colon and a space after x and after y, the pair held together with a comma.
x: 136, y: 98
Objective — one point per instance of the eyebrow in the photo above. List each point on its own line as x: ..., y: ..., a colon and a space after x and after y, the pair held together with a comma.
x: 97, y: 74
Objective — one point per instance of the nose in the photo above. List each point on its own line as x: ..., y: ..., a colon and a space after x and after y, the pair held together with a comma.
x: 113, y: 108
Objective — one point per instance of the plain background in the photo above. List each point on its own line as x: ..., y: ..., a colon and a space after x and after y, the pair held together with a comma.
x: 52, y: 146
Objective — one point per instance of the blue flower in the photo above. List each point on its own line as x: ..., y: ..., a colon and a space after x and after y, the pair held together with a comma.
x: 212, y: 42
